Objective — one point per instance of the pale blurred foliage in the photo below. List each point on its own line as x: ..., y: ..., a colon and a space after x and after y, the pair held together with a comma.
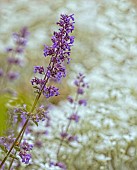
x: 106, y: 51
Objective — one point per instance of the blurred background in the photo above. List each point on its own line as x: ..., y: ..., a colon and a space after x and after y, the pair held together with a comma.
x: 105, y: 50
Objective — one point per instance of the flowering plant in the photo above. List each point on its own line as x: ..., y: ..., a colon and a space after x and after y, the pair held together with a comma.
x: 59, y: 52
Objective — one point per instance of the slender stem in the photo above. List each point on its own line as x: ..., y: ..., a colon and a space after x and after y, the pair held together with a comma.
x: 62, y: 140
x: 67, y: 127
x: 16, y: 150
x: 12, y: 161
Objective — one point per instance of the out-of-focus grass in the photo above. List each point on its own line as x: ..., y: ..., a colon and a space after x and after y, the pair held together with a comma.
x: 3, y: 113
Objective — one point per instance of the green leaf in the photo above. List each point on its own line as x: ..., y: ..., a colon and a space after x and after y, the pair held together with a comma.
x: 3, y: 148
x: 17, y: 148
x: 36, y: 123
x: 13, y: 156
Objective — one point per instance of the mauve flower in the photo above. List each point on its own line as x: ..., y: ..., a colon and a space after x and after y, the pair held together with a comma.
x: 74, y: 117
x: 12, y: 60
x: 59, y: 164
x: 70, y: 99
x: 25, y: 156
x: 39, y: 69
x: 38, y: 144
x: 1, y: 72
x: 9, y: 49
x: 72, y: 138
x: 82, y: 102
x: 26, y: 146
x: 64, y: 134
x: 50, y: 91
x: 80, y: 91
x: 12, y: 75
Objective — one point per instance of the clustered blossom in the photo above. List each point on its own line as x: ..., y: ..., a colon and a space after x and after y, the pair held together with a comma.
x: 24, y: 152
x: 6, y: 141
x: 40, y: 114
x: 1, y: 72
x: 69, y: 138
x: 59, y: 52
x: 74, y: 117
x: 58, y: 164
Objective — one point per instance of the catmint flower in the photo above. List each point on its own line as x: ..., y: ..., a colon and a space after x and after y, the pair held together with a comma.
x: 72, y: 138
x: 64, y: 134
x: 12, y: 75
x: 39, y: 69
x: 37, y: 81
x: 50, y: 91
x: 41, y: 114
x: 58, y: 164
x: 82, y: 102
x: 75, y: 117
x: 25, y: 156
x: 24, y: 149
x: 26, y: 146
x: 12, y: 60
x: 38, y: 144
x: 70, y: 99
x: 80, y: 91
x: 61, y: 165
x: 1, y: 72
x: 6, y: 141
x: 9, y: 49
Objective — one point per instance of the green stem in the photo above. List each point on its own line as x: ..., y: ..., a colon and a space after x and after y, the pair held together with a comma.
x: 14, y: 143
x: 12, y: 161
x: 67, y: 127
x: 16, y: 150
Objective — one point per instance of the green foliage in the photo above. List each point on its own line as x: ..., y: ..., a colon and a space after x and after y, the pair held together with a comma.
x: 3, y: 113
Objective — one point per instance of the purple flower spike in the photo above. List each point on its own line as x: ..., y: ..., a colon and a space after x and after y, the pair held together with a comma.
x: 59, y: 52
